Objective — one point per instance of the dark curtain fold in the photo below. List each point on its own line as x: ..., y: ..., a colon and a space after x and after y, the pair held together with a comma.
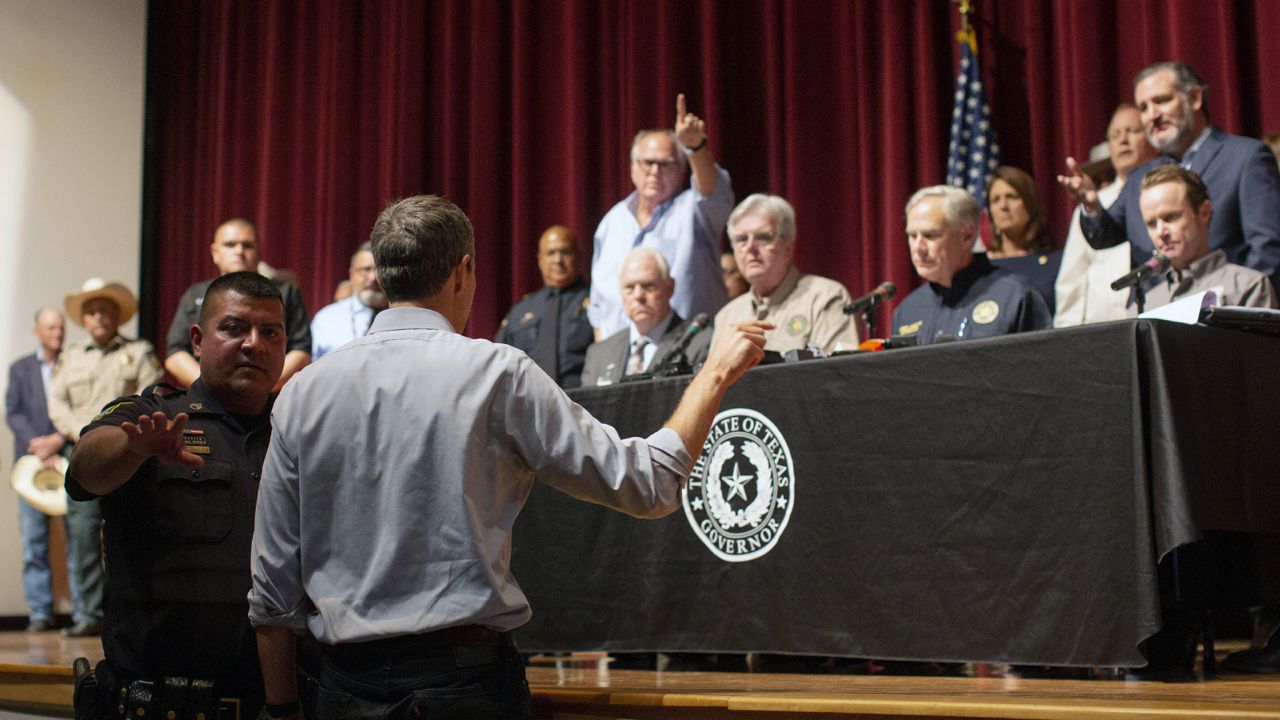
x: 307, y: 116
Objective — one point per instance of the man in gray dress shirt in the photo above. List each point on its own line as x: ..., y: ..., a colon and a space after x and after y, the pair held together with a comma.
x: 1177, y: 209
x: 387, y: 499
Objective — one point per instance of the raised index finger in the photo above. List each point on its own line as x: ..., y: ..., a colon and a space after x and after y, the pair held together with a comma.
x: 680, y: 108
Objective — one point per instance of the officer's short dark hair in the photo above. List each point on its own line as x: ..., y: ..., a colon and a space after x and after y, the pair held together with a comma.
x: 245, y: 282
x: 417, y: 242
x: 1197, y: 193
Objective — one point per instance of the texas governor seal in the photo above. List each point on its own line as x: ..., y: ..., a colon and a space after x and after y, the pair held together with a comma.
x: 740, y: 494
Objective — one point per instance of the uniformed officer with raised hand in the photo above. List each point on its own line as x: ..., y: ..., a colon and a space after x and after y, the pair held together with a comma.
x: 177, y: 472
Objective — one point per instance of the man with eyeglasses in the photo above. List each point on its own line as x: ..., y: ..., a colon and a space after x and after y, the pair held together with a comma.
x: 550, y: 325
x: 684, y: 225
x: 349, y: 318
x: 653, y: 326
x: 808, y: 310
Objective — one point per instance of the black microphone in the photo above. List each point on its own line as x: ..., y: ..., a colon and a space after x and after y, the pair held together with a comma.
x: 873, y: 299
x: 676, y: 361
x: 1156, y: 265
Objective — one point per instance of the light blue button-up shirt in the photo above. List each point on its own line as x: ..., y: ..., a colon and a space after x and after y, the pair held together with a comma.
x: 338, y: 324
x: 686, y: 229
x: 397, y: 466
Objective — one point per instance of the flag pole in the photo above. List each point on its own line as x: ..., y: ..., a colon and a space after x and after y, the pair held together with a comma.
x: 966, y: 9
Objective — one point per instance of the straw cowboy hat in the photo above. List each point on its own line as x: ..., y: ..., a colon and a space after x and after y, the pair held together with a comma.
x: 41, y: 488
x: 99, y: 288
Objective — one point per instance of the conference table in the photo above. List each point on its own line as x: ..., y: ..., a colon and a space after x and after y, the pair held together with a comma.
x: 1000, y: 500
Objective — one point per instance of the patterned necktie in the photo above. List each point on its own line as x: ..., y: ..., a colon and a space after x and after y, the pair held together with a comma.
x: 635, y: 364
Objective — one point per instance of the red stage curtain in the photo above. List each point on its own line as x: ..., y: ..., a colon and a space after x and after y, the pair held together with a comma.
x: 308, y: 115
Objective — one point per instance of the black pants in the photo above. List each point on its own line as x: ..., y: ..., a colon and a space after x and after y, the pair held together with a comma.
x: 484, y: 682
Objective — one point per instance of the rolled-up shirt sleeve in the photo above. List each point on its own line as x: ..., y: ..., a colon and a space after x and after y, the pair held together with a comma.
x: 277, y: 596
x: 569, y: 449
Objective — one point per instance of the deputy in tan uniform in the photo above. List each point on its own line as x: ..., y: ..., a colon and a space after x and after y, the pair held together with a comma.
x: 91, y: 373
x: 807, y: 310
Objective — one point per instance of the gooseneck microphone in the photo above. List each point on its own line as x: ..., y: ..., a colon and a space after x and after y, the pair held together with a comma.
x: 1135, y: 277
x: 676, y: 362
x: 882, y: 294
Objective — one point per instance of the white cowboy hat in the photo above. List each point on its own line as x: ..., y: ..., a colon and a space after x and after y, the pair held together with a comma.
x: 99, y: 288
x: 41, y: 488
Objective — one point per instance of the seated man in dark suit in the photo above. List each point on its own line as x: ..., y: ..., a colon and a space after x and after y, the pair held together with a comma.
x: 1240, y: 173
x: 653, y: 328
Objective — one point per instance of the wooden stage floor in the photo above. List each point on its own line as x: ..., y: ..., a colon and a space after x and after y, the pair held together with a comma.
x: 35, y: 676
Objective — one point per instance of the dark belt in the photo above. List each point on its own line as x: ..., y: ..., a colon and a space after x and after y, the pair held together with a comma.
x: 407, y: 644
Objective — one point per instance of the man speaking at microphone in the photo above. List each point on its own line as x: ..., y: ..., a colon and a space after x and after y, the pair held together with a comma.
x: 1177, y: 211
x: 654, y: 329
x: 808, y: 310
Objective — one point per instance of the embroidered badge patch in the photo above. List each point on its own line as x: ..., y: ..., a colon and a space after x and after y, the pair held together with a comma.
x: 798, y: 325
x: 986, y: 312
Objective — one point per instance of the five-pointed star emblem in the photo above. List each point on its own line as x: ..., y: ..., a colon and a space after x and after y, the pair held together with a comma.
x: 737, y: 483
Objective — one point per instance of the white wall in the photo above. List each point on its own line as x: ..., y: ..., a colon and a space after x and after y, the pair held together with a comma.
x: 72, y: 78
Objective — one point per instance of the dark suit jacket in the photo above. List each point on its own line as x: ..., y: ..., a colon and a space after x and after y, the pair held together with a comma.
x: 1244, y: 186
x: 25, y: 406
x: 607, y: 359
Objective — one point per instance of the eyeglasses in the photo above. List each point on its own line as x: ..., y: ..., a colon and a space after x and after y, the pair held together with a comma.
x: 765, y: 239
x: 661, y: 165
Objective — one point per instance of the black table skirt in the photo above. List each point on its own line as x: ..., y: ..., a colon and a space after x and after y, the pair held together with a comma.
x: 998, y: 500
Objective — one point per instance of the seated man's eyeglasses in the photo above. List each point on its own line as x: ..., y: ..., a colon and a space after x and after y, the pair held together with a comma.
x: 762, y: 238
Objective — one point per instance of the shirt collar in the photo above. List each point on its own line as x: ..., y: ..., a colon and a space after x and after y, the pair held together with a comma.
x: 409, y: 318
x: 655, y: 333
x: 964, y: 279
x: 780, y: 293
x: 1198, y: 268
x: 113, y: 344
x: 1190, y: 154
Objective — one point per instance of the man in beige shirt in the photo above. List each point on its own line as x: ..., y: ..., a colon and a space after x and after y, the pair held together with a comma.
x: 91, y: 373
x: 808, y: 310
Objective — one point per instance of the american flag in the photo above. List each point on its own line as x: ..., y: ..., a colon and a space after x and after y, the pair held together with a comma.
x: 974, y: 154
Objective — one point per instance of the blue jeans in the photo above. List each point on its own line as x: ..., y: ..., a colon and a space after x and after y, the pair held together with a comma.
x: 457, y: 682
x: 84, y: 551
x: 37, y: 575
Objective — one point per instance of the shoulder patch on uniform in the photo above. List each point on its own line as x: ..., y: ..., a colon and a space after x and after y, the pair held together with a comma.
x: 160, y: 390
x: 986, y: 312
x: 111, y: 408
x: 910, y: 328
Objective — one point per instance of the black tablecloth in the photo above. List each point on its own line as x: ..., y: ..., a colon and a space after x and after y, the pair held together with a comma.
x: 998, y: 500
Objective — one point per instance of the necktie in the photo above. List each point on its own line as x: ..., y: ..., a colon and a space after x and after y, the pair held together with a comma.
x: 635, y: 364
x: 762, y: 308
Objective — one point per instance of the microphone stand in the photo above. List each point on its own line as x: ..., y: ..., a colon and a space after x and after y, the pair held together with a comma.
x: 869, y: 321
x: 1140, y: 297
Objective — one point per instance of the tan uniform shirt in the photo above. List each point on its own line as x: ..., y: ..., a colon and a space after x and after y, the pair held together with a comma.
x: 1234, y: 284
x: 807, y: 309
x: 88, y: 377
